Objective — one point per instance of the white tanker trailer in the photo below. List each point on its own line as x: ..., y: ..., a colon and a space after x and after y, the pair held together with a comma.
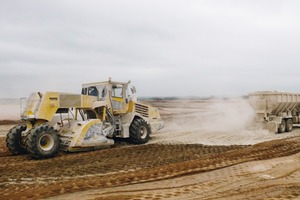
x: 278, y: 110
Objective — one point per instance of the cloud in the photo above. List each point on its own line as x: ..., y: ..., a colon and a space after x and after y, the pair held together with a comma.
x: 167, y: 48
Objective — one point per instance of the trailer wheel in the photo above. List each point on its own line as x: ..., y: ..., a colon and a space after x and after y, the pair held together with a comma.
x: 139, y: 131
x: 289, y: 125
x: 43, y: 142
x: 14, y: 140
x: 282, y: 127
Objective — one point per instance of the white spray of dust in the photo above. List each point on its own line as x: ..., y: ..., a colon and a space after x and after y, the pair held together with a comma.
x: 217, y: 115
x: 229, y: 115
x: 212, y: 122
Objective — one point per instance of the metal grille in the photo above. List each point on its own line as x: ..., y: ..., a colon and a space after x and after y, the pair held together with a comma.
x: 141, y: 109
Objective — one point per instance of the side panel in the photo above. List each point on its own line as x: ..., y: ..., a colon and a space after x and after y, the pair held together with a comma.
x: 48, y: 106
x: 151, y: 116
x: 45, y: 107
x: 276, y: 102
x: 87, y: 101
x: 69, y: 100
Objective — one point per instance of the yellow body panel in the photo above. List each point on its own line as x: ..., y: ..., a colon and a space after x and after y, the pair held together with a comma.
x: 130, y: 107
x: 86, y: 101
x: 48, y: 106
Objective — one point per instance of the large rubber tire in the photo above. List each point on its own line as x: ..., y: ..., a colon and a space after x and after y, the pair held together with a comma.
x: 289, y: 125
x: 43, y: 142
x: 14, y: 141
x: 282, y: 127
x: 139, y: 131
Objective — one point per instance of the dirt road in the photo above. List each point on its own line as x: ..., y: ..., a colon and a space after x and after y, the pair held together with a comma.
x: 184, y: 161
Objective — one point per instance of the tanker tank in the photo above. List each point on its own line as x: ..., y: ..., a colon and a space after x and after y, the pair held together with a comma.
x: 279, y: 111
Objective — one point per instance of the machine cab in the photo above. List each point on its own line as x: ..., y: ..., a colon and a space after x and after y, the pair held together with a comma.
x: 117, y: 94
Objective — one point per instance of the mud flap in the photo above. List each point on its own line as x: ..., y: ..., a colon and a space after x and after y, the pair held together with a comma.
x: 156, y: 126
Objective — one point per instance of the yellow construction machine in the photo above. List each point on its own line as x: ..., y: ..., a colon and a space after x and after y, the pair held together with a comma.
x: 80, y: 122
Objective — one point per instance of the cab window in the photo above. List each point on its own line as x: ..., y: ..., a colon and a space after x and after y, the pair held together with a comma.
x: 84, y: 91
x: 117, y: 91
x: 93, y: 91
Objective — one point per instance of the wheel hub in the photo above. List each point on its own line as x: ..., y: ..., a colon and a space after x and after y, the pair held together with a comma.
x: 143, y: 132
x: 46, y: 142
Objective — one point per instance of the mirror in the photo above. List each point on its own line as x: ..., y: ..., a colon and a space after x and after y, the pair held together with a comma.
x: 133, y: 90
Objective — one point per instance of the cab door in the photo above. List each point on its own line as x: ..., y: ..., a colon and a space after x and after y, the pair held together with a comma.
x: 119, y: 103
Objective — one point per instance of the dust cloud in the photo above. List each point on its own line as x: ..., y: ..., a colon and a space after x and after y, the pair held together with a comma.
x: 213, y: 115
x: 229, y: 115
x: 212, y: 122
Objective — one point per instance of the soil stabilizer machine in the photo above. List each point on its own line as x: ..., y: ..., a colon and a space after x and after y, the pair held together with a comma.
x: 54, y: 121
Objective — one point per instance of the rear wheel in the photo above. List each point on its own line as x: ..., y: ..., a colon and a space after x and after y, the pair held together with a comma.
x: 139, y: 131
x: 282, y: 127
x: 289, y: 125
x: 43, y: 142
x: 14, y: 141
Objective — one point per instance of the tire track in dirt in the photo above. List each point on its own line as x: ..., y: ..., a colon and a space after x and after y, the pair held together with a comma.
x: 134, y: 164
x: 250, y: 180
x: 21, y: 175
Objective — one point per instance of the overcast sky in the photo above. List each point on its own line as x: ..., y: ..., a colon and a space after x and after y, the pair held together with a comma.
x: 165, y: 47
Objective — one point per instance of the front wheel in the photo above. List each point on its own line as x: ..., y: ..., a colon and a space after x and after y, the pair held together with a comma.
x: 43, y: 142
x: 139, y: 131
x: 289, y: 125
x: 14, y: 140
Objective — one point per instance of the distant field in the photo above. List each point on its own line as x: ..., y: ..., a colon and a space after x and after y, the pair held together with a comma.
x: 9, y: 109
